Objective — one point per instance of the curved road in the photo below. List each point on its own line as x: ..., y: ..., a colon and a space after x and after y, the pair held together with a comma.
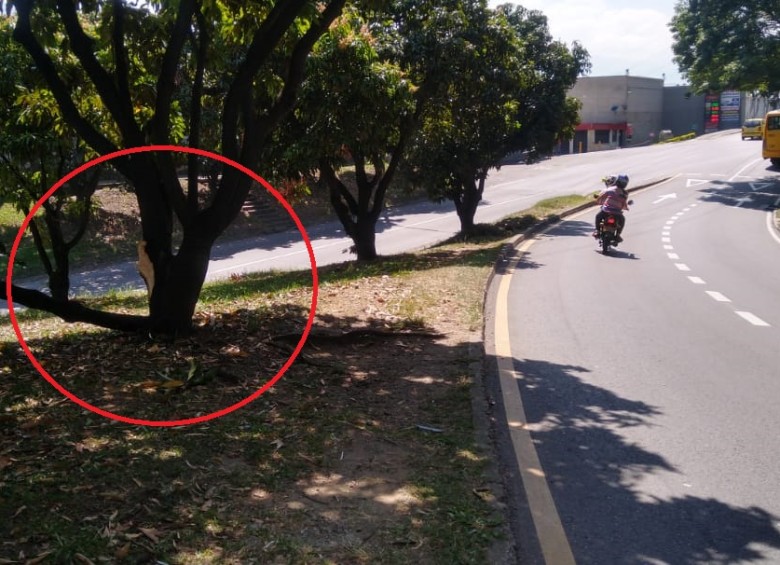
x: 647, y: 425
x: 513, y: 188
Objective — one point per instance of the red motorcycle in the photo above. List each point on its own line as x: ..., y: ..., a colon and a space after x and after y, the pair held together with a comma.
x: 608, y: 233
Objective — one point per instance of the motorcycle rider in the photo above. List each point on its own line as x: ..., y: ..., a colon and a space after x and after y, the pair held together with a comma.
x: 613, y: 200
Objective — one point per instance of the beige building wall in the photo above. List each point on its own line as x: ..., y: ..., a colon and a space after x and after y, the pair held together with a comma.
x: 618, y: 110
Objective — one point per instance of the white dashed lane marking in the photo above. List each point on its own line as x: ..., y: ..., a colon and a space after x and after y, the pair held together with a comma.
x: 717, y: 296
x: 753, y: 319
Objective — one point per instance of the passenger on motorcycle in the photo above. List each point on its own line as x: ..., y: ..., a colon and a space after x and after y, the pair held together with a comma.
x: 613, y: 200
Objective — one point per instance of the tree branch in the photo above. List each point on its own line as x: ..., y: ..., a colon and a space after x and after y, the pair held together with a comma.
x: 295, y: 75
x: 40, y: 248
x: 24, y: 36
x: 193, y: 169
x: 120, y: 56
x: 265, y: 40
x: 115, y: 101
x: 84, y: 198
x: 234, y: 185
x: 167, y: 79
x: 72, y: 311
x: 395, y: 161
x: 344, y: 204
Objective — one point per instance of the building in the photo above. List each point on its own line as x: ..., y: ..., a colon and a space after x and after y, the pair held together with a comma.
x: 617, y: 111
x: 684, y: 111
x: 629, y: 111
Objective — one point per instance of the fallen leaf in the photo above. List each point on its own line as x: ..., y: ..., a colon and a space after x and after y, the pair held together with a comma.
x: 5, y: 461
x: 233, y: 351
x: 172, y: 384
x: 192, y: 370
x: 123, y: 551
x: 151, y: 533
x: 39, y: 558
x: 22, y: 509
x: 83, y: 559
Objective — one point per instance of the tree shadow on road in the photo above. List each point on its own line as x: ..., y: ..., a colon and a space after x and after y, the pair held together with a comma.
x: 758, y: 194
x: 596, y: 474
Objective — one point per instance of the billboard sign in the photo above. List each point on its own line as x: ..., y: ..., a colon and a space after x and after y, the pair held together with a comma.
x: 729, y: 109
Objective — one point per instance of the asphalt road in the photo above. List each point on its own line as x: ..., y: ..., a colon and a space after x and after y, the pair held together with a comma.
x: 648, y: 378
x: 512, y: 188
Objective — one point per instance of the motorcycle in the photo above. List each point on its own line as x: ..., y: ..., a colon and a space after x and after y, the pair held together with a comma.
x: 608, y: 233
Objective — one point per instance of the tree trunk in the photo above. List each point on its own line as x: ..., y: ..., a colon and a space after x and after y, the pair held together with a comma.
x: 177, y: 287
x: 59, y: 283
x: 466, y: 205
x: 364, y: 237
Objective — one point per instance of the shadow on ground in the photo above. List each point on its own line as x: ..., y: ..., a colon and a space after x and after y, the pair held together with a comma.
x: 595, y: 474
x: 362, y: 452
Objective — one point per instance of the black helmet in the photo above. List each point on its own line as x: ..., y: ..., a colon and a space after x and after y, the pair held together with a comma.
x: 620, y: 181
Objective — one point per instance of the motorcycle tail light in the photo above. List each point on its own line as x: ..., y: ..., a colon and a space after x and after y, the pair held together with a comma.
x: 610, y: 220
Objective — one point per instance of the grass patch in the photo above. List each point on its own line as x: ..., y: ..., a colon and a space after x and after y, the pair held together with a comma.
x: 679, y: 138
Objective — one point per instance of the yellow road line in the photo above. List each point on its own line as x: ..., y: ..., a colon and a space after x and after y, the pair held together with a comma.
x: 547, y: 522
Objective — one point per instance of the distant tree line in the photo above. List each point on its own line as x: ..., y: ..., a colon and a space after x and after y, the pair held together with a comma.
x: 724, y: 45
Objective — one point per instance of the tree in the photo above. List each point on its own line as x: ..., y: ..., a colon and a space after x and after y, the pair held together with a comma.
x: 511, y: 96
x: 137, y: 58
x: 722, y: 45
x: 354, y: 110
x: 369, y: 83
x: 36, y: 149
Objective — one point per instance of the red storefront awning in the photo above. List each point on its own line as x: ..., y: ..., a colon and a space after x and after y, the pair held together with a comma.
x: 588, y: 126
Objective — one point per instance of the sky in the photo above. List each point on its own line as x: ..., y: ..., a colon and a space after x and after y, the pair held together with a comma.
x: 618, y: 34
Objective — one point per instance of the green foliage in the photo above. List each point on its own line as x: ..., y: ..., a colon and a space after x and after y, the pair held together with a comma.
x: 720, y: 44
x: 505, y: 91
x: 216, y: 74
x: 351, y: 103
x: 37, y: 147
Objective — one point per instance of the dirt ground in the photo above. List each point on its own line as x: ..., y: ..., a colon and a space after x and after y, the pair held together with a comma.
x: 363, y: 452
